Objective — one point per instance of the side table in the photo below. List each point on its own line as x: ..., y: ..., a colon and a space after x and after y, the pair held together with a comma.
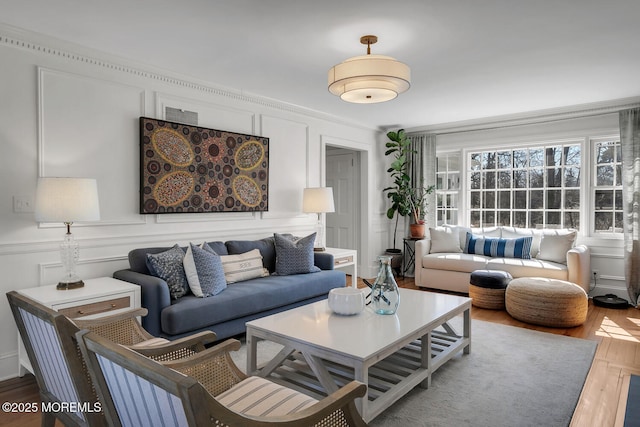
x: 346, y: 258
x: 98, y: 297
x: 409, y: 259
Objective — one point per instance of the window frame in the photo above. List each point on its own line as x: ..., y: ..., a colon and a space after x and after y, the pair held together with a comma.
x: 445, y: 208
x: 529, y: 145
x: 593, y: 187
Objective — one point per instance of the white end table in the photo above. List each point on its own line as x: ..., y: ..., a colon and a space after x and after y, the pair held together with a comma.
x: 98, y: 297
x: 346, y: 258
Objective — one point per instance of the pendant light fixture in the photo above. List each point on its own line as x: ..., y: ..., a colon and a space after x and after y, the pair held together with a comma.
x: 368, y: 79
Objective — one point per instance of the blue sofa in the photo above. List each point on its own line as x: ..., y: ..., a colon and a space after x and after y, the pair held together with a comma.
x: 227, y: 312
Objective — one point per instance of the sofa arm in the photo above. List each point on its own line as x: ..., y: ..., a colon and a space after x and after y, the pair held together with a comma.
x: 422, y: 248
x: 579, y: 266
x: 154, y: 295
x: 323, y: 260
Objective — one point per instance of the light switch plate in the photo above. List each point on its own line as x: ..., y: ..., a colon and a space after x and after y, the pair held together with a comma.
x: 23, y: 204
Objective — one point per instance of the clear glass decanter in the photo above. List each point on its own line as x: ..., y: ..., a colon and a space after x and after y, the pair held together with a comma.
x: 385, y: 295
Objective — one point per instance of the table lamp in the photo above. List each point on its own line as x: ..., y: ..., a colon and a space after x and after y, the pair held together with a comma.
x: 67, y: 200
x: 318, y: 200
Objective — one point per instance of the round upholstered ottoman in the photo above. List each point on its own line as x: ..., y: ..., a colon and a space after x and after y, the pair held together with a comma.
x: 547, y: 302
x: 487, y: 288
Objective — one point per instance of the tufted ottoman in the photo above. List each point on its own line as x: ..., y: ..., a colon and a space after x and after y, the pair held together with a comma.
x: 547, y: 302
x: 487, y: 288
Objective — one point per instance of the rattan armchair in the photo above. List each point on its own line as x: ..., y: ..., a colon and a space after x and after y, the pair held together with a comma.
x: 204, y: 389
x: 56, y: 361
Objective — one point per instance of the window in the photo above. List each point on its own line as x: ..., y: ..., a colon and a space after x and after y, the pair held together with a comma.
x: 447, y: 187
x: 532, y: 187
x: 607, y: 186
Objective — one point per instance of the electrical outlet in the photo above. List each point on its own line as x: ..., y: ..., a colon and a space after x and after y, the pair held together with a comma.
x: 595, y: 274
x: 23, y: 204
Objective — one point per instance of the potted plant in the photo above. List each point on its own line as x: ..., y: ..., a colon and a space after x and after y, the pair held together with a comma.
x: 418, y: 201
x: 400, y: 147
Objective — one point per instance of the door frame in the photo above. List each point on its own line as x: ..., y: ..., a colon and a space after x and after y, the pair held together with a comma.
x: 365, y: 158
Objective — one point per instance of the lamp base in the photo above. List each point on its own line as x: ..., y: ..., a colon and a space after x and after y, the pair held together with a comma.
x: 64, y: 286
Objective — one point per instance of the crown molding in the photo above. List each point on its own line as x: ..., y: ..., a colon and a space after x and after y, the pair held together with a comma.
x: 531, y: 117
x: 19, y: 38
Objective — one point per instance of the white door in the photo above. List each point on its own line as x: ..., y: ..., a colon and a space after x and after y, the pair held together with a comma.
x: 342, y: 174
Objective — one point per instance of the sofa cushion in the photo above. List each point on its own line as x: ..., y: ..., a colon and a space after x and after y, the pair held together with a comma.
x: 168, y: 266
x: 455, y: 262
x: 138, y: 257
x: 444, y: 240
x: 294, y: 256
x: 529, y: 267
x: 554, y: 247
x: 246, y: 298
x: 204, y: 271
x: 497, y: 247
x: 266, y: 247
x: 245, y: 266
x: 516, y: 232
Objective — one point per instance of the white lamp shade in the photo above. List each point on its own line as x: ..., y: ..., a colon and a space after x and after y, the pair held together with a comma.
x: 67, y: 200
x: 318, y: 200
x: 368, y: 79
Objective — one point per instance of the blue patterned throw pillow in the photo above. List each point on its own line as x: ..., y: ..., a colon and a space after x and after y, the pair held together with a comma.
x: 168, y: 266
x: 501, y: 248
x: 203, y: 268
x: 294, y: 256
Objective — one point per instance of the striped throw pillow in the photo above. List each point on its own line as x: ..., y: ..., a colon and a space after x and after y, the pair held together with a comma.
x: 243, y: 266
x: 498, y: 248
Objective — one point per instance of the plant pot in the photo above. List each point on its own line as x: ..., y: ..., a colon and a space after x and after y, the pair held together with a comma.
x: 416, y: 230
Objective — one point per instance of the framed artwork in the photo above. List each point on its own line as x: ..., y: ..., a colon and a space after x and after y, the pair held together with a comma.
x: 191, y: 169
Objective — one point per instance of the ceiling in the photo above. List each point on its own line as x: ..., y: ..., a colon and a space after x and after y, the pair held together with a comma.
x: 469, y: 59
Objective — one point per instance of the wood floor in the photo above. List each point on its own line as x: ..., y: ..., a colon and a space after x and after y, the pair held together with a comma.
x: 602, y: 402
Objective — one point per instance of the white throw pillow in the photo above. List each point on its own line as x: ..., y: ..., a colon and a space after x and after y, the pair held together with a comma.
x: 243, y: 266
x: 444, y: 241
x: 554, y: 247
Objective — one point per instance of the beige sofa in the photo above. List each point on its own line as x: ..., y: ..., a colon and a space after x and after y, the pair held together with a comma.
x: 441, y: 261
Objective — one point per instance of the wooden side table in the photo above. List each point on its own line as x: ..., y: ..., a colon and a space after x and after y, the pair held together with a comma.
x: 98, y: 297
x: 346, y: 258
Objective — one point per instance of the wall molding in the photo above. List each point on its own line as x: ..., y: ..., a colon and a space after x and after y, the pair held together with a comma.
x: 206, y: 217
x: 531, y: 117
x: 160, y: 238
x: 47, y: 266
x: 15, y: 37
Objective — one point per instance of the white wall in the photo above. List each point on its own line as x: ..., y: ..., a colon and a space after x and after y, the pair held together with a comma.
x: 70, y: 111
x: 606, y: 250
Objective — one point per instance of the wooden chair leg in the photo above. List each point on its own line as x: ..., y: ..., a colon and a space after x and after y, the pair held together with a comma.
x: 48, y: 419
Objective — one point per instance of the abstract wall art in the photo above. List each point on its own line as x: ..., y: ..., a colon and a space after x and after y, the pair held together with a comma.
x: 191, y: 169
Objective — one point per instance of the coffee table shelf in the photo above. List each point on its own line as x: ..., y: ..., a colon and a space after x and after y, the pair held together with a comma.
x: 322, y: 353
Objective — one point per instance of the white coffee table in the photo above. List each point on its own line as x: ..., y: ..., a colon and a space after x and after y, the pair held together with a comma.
x: 391, y: 354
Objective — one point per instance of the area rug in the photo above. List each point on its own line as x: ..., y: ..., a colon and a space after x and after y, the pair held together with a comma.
x: 632, y: 414
x: 512, y: 377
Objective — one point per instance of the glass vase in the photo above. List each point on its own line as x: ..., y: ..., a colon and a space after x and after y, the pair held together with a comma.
x: 385, y: 295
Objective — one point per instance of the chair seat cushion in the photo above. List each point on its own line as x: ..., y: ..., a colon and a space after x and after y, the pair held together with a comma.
x: 259, y: 397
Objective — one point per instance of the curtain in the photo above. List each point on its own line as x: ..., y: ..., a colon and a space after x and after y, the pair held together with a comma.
x: 422, y: 169
x: 630, y: 145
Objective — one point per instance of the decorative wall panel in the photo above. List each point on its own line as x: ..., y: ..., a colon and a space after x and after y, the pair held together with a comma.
x: 187, y: 169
